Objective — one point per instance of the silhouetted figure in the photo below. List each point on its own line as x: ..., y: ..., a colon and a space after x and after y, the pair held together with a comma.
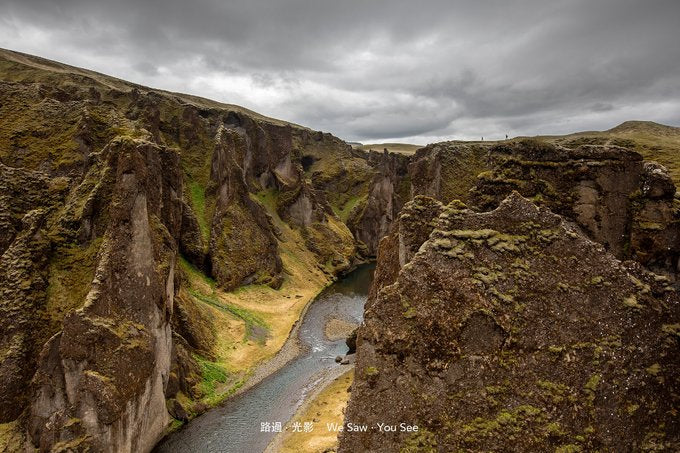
x: 506, y: 136
x: 482, y: 138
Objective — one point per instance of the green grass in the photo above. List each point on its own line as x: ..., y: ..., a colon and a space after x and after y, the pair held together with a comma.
x: 249, y: 318
x: 346, y: 210
x: 267, y: 198
x: 195, y: 272
x: 400, y: 148
x: 212, y: 374
x: 197, y: 194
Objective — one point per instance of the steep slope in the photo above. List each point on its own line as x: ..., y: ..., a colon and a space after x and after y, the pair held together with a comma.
x: 185, y: 236
x: 129, y: 217
x: 469, y: 337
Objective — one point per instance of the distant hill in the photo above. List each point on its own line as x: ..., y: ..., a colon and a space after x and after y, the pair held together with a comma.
x: 648, y: 127
x: 400, y: 148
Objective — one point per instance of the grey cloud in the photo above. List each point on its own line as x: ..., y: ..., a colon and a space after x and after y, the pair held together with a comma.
x: 371, y: 70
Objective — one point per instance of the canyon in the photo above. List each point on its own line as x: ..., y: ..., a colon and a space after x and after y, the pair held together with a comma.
x: 157, y: 247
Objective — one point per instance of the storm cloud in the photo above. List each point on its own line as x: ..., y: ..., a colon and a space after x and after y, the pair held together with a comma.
x: 416, y: 71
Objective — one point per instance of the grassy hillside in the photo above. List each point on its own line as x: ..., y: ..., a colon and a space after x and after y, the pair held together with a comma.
x: 20, y: 67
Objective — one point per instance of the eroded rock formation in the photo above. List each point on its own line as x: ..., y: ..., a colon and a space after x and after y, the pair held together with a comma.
x: 511, y: 330
x: 621, y: 202
x: 109, y: 193
x: 101, y: 380
x: 389, y: 190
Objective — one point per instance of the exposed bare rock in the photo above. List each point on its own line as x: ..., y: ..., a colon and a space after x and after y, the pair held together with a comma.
x: 301, y: 205
x: 243, y: 248
x: 191, y: 241
x: 473, y: 341
x: 656, y: 181
x: 388, y: 192
x: 447, y: 171
x: 101, y: 380
x: 620, y: 201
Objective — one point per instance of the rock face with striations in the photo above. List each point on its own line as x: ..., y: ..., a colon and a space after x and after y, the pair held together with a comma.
x: 511, y: 330
x: 388, y: 192
x: 621, y: 201
x: 110, y: 193
x: 101, y: 380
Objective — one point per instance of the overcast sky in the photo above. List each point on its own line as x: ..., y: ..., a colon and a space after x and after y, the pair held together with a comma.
x: 415, y: 71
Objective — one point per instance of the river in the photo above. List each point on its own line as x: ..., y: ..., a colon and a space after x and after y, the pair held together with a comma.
x: 236, y: 426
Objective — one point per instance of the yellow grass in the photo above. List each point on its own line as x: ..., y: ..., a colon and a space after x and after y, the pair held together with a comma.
x: 277, y: 309
x: 328, y: 407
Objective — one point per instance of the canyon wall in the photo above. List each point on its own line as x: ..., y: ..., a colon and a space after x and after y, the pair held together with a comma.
x: 110, y: 193
x: 511, y: 330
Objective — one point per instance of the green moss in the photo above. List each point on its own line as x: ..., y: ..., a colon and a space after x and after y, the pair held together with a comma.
x: 496, y: 240
x: 554, y: 391
x: 653, y: 369
x: 344, y: 212
x: 410, y: 313
x: 593, y: 382
x: 554, y: 430
x: 570, y: 448
x: 506, y: 421
x: 198, y: 202
x: 71, y: 271
x: 175, y: 425
x: 371, y: 371
x: 597, y: 280
x: 632, y: 302
x: 211, y: 374
x: 671, y: 329
x: 424, y: 441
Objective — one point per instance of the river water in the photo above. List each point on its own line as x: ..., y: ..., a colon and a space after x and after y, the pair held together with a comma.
x: 236, y: 425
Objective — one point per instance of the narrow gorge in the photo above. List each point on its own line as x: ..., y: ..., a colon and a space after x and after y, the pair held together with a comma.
x: 158, y: 248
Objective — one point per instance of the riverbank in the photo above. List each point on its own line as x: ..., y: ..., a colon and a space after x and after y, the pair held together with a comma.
x: 255, y: 326
x: 324, y: 407
x: 282, y: 384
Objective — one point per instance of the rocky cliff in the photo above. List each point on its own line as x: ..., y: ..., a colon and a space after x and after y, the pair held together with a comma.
x: 148, y: 238
x: 112, y: 195
x: 620, y: 201
x: 511, y: 330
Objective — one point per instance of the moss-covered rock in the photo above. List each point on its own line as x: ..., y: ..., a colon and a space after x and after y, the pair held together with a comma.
x: 513, y: 348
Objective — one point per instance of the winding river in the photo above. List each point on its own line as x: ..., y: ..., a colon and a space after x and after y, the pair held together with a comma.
x: 236, y: 425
